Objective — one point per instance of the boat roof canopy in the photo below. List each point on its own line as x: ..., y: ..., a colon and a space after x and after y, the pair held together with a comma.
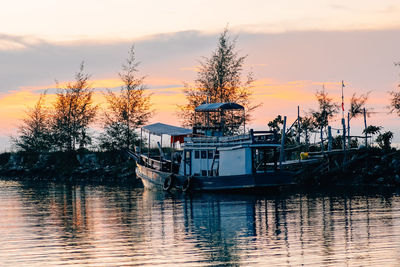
x: 218, y: 106
x: 161, y: 128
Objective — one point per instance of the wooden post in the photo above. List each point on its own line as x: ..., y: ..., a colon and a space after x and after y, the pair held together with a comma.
x: 344, y: 142
x: 141, y: 140
x: 365, y: 128
x: 282, y: 152
x: 148, y: 152
x: 329, y: 138
x: 298, y: 125
x: 344, y: 134
x: 307, y: 140
x: 172, y: 152
x: 348, y: 131
x: 298, y: 131
x: 322, y: 140
x: 244, y: 123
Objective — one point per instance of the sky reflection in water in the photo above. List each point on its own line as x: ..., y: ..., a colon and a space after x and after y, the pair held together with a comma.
x: 108, y: 226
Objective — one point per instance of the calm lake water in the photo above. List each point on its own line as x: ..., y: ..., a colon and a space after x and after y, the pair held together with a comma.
x: 113, y: 226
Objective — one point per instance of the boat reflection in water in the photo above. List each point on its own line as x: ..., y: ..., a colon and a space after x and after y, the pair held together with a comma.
x: 104, y: 225
x: 297, y: 229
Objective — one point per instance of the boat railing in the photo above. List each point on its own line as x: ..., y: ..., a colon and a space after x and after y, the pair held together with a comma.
x: 262, y: 137
x: 218, y: 141
x: 156, y: 163
x: 253, y: 137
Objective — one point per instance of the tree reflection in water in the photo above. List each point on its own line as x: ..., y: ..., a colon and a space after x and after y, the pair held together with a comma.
x: 115, y: 225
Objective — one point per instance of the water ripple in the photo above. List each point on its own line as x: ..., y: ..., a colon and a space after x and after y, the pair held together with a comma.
x: 118, y: 226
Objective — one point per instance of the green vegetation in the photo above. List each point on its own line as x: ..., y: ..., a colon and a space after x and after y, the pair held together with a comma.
x: 219, y: 79
x: 72, y: 114
x: 127, y: 111
x: 34, y: 131
x: 65, y: 126
x: 395, y: 99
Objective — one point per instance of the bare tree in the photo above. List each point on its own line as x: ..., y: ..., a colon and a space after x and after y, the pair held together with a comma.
x: 127, y: 110
x: 219, y: 80
x: 34, y: 132
x: 74, y: 111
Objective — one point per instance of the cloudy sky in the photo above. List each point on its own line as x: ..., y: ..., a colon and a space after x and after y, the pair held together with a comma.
x: 293, y: 48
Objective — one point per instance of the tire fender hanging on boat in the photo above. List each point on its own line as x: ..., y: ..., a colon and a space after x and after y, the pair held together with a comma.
x: 187, y: 184
x: 169, y: 182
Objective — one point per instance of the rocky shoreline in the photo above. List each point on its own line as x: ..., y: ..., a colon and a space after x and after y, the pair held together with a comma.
x: 78, y: 167
x: 367, y: 167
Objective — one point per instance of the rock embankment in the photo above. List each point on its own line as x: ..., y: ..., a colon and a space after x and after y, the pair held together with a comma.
x: 101, y: 167
x: 365, y: 167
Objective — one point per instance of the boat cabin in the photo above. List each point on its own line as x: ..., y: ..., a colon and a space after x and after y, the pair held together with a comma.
x: 220, y: 146
x: 167, y: 162
x: 217, y: 154
x: 218, y: 119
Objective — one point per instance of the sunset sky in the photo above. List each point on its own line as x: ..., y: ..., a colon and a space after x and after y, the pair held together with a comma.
x: 293, y: 48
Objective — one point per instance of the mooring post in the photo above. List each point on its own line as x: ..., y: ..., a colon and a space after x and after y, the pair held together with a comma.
x: 344, y: 142
x: 344, y: 134
x: 322, y: 139
x: 141, y: 140
x: 148, y: 152
x: 282, y: 152
x: 307, y: 141
x: 329, y: 138
x: 298, y: 131
x: 365, y: 128
x: 298, y: 125
x: 348, y: 130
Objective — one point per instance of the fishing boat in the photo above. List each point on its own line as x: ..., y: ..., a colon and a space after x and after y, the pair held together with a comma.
x: 216, y: 154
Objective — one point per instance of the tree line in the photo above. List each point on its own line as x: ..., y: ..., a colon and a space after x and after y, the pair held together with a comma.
x: 317, y: 121
x: 65, y: 125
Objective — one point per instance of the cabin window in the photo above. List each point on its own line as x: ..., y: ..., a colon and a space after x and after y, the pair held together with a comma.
x: 188, y: 152
x: 210, y: 154
x: 196, y: 154
x: 204, y: 173
x: 204, y: 154
x: 210, y: 173
x: 188, y: 164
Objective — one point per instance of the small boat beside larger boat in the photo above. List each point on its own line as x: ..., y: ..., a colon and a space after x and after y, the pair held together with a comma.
x: 217, y: 154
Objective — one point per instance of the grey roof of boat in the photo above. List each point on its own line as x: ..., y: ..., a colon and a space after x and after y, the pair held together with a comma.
x: 161, y: 128
x: 218, y: 106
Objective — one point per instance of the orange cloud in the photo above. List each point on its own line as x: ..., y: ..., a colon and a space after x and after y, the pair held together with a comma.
x: 13, y: 107
x: 192, y: 68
